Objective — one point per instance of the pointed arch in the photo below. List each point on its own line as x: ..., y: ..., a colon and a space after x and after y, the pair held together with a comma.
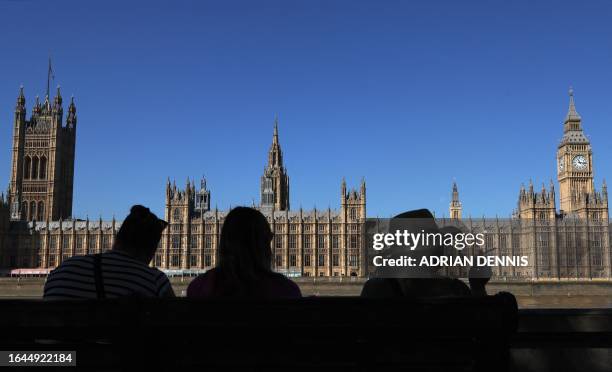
x: 32, y: 214
x: 24, y: 210
x: 34, y: 167
x: 42, y: 173
x: 41, y: 211
x: 27, y: 167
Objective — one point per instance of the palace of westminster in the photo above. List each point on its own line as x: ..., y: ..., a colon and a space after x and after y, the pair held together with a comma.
x: 37, y: 231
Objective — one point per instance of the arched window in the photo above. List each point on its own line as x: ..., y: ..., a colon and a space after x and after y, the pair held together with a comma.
x: 41, y: 211
x: 177, y: 215
x: 27, y: 167
x: 42, y: 173
x: 32, y: 210
x: 24, y: 210
x: 34, y: 167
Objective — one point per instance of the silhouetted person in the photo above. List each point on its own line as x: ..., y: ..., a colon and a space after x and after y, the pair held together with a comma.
x: 245, y: 258
x: 414, y: 282
x: 122, y: 272
x: 479, y: 276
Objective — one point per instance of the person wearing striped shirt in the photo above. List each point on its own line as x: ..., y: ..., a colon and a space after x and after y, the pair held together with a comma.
x: 123, y: 271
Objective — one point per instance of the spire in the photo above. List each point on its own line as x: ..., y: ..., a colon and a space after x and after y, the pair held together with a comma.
x: 50, y: 76
x: 572, y: 114
x: 455, y: 192
x: 58, y: 96
x: 275, y: 135
x: 21, y: 98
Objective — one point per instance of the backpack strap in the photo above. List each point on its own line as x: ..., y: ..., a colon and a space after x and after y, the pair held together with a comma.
x: 98, y: 276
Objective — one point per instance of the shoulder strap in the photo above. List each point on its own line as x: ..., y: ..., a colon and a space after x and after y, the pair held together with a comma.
x: 98, y: 277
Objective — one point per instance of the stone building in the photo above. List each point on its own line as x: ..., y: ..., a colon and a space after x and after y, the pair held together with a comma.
x: 42, y: 171
x: 306, y: 243
x: 570, y: 243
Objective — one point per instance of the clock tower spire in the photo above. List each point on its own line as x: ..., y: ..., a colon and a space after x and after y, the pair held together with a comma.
x: 577, y: 193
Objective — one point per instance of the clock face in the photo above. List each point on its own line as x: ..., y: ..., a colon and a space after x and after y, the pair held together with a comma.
x: 579, y: 162
x: 561, y: 164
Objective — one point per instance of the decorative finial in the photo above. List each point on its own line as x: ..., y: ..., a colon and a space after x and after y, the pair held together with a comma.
x: 571, y: 91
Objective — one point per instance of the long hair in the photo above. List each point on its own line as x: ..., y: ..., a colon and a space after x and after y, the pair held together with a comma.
x: 245, y: 254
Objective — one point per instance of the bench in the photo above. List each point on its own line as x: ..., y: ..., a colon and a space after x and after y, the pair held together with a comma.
x: 453, y: 334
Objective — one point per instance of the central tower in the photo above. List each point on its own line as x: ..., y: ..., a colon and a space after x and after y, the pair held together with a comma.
x: 275, y: 182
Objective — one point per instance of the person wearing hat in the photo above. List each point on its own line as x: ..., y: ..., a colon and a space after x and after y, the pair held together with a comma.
x: 413, y: 282
x: 123, y: 271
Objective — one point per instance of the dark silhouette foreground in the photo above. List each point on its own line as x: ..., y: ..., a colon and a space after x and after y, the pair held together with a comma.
x: 425, y: 282
x: 122, y: 272
x: 245, y: 259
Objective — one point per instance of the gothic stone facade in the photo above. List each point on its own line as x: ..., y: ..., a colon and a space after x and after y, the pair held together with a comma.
x: 572, y: 243
x: 306, y: 243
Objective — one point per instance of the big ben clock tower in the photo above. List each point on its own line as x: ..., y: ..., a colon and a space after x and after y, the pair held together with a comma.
x: 575, y: 170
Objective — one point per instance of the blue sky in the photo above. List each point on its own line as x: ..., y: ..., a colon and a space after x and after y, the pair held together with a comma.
x: 409, y: 95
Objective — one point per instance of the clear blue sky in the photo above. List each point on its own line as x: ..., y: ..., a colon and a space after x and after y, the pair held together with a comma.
x: 407, y: 94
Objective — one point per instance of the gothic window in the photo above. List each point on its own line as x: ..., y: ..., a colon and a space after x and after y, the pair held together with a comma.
x: 278, y: 241
x: 41, y: 211
x: 353, y: 259
x: 335, y: 241
x: 321, y: 243
x: 105, y: 242
x: 176, y: 241
x: 321, y: 260
x: 158, y: 260
x: 193, y: 260
x: 335, y: 259
x: 65, y: 243
x: 35, y: 168
x: 292, y: 241
x: 278, y: 260
x: 27, y: 167
x: 306, y: 242
x: 207, y: 260
x: 353, y: 243
x: 194, y: 242
x: 42, y: 173
x: 79, y: 244
x: 24, y: 210
x: 32, y: 214
x: 176, y: 216
x: 92, y: 244
x: 53, y: 243
x: 307, y: 259
x: 292, y: 260
x: 175, y: 260
x: 207, y: 242
x: 353, y: 213
x: 596, y: 252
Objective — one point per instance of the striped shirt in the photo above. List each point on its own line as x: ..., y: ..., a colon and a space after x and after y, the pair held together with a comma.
x: 122, y: 275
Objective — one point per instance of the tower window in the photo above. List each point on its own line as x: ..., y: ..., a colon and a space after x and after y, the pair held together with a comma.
x: 35, y: 168
x: 176, y: 216
x: 32, y: 214
x: 41, y: 211
x: 27, y: 167
x: 42, y: 173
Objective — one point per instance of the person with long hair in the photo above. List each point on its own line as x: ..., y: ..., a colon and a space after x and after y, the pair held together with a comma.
x: 245, y: 259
